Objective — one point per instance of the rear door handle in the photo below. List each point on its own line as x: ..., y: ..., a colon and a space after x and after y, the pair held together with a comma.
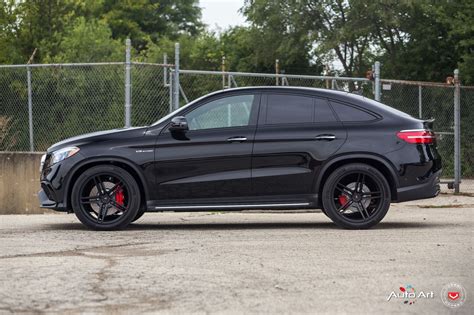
x: 325, y: 137
x: 236, y: 139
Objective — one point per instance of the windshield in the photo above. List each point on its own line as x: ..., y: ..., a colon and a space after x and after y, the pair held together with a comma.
x: 173, y: 113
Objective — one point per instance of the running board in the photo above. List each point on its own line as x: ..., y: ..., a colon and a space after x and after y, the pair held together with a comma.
x: 242, y: 206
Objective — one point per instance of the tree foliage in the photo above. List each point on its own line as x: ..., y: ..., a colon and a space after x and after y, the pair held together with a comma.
x: 415, y: 40
x: 51, y: 26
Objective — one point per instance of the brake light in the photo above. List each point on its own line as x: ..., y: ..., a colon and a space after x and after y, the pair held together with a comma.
x: 417, y: 136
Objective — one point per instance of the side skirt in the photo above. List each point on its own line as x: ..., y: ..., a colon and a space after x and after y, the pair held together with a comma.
x: 279, y: 203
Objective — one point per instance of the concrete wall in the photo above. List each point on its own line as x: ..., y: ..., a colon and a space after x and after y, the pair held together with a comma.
x: 19, y: 183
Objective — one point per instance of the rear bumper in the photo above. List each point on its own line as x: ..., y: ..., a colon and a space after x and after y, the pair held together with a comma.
x: 428, y: 189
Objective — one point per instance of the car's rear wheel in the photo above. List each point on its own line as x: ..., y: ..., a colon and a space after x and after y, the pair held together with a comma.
x: 356, y: 196
x: 106, y: 197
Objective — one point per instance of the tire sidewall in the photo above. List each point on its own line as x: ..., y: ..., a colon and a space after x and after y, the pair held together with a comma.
x: 124, y: 176
x: 333, y: 179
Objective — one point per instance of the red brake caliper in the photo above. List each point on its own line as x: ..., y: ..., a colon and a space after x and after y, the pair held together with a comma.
x: 119, y: 197
x: 342, y: 199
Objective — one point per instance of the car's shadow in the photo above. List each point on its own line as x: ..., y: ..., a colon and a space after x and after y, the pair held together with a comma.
x: 253, y: 226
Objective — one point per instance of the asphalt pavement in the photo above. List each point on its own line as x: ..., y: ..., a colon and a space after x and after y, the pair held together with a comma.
x: 239, y: 263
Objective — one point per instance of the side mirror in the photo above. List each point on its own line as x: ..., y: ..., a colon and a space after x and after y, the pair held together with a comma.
x: 179, y: 123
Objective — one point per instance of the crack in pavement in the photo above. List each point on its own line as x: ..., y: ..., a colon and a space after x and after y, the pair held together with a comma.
x: 72, y: 252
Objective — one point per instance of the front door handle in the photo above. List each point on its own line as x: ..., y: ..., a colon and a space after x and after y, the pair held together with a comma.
x: 325, y: 137
x: 236, y: 139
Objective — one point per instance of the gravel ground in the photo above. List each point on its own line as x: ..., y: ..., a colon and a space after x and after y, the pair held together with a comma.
x: 238, y: 262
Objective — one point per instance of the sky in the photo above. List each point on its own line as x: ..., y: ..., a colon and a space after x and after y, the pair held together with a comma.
x: 221, y: 14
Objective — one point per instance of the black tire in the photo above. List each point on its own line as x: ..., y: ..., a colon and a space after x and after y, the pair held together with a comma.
x: 97, y: 206
x: 140, y: 214
x: 356, y: 196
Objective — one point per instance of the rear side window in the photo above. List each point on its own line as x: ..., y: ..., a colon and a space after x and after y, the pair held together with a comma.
x: 350, y: 113
x: 323, y: 112
x: 289, y: 109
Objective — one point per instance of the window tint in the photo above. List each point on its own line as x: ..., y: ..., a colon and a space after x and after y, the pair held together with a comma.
x: 225, y: 112
x: 349, y: 113
x: 324, y: 112
x: 289, y: 109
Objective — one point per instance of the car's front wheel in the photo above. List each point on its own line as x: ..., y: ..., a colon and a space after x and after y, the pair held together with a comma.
x: 106, y: 197
x: 356, y: 196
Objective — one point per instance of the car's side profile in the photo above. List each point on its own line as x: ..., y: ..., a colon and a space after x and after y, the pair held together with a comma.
x: 249, y: 148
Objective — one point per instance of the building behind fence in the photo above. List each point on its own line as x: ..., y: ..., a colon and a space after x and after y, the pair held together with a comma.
x: 44, y: 103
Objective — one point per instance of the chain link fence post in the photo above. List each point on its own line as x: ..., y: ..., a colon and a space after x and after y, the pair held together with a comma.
x: 30, y: 109
x: 457, y: 131
x: 168, y: 81
x: 128, y: 85
x: 223, y: 72
x: 176, y: 77
x: 377, y: 81
x: 277, y: 72
x: 420, y: 102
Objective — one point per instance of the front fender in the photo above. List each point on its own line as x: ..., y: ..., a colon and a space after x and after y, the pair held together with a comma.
x: 89, y: 162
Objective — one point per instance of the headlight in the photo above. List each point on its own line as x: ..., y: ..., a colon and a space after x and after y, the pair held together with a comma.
x: 43, y: 159
x: 61, y: 154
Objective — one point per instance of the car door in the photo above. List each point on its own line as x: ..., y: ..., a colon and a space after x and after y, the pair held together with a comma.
x: 296, y: 133
x: 213, y: 158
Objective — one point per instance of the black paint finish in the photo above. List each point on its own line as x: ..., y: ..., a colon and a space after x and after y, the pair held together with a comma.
x: 261, y: 164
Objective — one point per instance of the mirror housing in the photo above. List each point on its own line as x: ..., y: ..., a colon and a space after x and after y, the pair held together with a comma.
x: 179, y: 123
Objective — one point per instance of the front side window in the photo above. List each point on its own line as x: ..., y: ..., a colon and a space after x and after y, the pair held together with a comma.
x: 232, y: 111
x: 289, y: 109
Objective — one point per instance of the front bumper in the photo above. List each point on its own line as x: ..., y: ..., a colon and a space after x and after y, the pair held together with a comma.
x: 46, y: 202
x: 53, y: 193
x: 429, y: 189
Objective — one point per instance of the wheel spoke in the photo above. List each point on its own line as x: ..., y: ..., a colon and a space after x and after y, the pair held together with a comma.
x: 113, y: 190
x: 89, y: 199
x: 372, y: 195
x: 345, y: 206
x: 102, y: 213
x: 100, y: 185
x: 118, y: 206
x: 344, y: 189
x: 361, y: 213
x: 360, y: 182
x: 363, y: 210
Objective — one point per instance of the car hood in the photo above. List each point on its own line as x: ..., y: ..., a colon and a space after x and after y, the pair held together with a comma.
x: 99, y: 136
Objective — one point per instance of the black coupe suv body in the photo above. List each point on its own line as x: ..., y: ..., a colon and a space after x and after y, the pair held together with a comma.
x: 249, y: 148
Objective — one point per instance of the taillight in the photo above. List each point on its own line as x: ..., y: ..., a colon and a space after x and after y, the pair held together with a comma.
x: 417, y: 136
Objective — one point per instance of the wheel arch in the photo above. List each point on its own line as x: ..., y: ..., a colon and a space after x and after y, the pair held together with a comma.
x: 127, y: 165
x: 379, y: 162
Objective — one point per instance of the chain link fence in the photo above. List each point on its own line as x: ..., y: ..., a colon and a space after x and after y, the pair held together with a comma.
x: 69, y: 100
x: 44, y: 104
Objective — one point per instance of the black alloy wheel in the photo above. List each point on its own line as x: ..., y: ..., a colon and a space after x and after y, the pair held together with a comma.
x: 356, y: 196
x: 106, y: 197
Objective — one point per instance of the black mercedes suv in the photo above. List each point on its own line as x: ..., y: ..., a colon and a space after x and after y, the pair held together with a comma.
x: 249, y: 148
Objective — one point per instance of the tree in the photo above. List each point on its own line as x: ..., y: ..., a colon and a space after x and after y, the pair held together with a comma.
x: 146, y: 21
x: 415, y: 40
x: 318, y: 31
x: 88, y: 41
x: 29, y: 24
x: 457, y: 17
